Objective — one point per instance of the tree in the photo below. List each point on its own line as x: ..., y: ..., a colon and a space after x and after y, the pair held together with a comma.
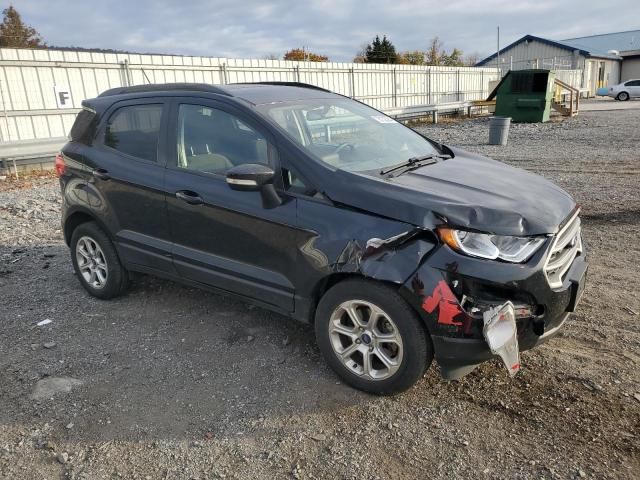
x: 415, y: 57
x: 438, y: 56
x: 381, y: 51
x: 14, y: 33
x: 453, y: 59
x: 434, y: 53
x: 301, y: 55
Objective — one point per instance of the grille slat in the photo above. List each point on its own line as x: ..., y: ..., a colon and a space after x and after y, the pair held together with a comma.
x: 567, y: 235
x: 567, y: 245
x: 561, y: 258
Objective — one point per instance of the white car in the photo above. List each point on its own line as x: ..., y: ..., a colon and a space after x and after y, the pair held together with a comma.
x: 625, y: 90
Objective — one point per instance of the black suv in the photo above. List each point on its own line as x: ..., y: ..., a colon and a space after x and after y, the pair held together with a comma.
x: 395, y: 247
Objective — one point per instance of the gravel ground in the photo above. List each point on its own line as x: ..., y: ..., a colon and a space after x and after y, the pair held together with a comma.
x: 172, y: 382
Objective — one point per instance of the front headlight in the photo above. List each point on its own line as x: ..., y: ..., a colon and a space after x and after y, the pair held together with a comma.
x: 492, y: 247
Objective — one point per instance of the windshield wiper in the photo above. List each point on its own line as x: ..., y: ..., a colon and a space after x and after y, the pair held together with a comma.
x: 414, y: 162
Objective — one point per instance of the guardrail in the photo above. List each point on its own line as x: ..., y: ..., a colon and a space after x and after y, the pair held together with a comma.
x: 30, y: 148
x: 419, y: 111
x: 25, y: 153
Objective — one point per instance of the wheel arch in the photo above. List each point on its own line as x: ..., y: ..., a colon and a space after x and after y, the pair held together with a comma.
x: 325, y: 284
x: 391, y: 262
x: 78, y: 217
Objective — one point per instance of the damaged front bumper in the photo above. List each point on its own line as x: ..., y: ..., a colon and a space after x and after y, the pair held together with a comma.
x: 453, y: 294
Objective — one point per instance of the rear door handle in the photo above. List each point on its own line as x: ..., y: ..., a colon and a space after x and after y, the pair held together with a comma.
x: 191, y: 198
x: 101, y: 174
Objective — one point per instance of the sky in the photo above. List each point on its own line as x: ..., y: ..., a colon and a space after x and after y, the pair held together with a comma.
x: 337, y: 28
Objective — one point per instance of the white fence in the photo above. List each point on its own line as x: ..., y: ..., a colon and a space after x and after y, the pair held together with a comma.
x: 575, y: 78
x: 42, y: 90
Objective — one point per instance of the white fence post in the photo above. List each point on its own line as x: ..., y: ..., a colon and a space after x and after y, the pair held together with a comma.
x: 352, y: 82
x: 395, y: 88
x: 223, y: 69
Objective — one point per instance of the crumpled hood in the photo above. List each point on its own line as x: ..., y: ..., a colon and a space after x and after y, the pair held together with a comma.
x: 469, y: 191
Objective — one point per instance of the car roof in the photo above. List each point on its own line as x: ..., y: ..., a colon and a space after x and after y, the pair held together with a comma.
x: 274, y: 92
x: 259, y: 93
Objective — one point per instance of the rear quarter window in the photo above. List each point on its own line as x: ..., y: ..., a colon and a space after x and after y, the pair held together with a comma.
x: 84, y: 126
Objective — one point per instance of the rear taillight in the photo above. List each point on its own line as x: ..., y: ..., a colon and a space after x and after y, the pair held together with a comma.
x: 59, y: 165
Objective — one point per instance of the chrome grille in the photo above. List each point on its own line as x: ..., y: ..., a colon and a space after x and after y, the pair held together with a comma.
x: 567, y: 245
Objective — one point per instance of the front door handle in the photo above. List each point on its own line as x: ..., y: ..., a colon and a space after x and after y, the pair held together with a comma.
x: 190, y: 197
x: 101, y: 174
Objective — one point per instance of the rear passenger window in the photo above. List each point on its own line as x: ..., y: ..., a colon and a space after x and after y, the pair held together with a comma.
x: 134, y: 130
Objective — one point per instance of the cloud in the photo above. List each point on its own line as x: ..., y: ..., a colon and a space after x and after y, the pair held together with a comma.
x: 253, y: 28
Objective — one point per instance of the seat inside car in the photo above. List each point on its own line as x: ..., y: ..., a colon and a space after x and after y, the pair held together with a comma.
x: 214, y: 141
x: 197, y: 148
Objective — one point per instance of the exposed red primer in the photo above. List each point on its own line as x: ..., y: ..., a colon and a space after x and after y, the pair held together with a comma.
x: 449, y: 310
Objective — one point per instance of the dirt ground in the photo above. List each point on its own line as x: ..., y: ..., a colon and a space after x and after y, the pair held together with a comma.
x: 170, y: 382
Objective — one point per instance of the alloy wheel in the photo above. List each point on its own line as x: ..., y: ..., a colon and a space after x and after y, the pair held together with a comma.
x: 365, y: 339
x: 92, y: 263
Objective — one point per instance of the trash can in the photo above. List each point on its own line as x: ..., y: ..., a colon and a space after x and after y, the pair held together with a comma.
x: 499, y: 130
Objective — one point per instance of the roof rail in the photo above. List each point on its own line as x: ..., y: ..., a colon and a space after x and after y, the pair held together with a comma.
x: 163, y: 87
x: 285, y: 84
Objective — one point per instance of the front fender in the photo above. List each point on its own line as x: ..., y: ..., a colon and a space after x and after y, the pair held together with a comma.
x: 337, y: 241
x: 393, y: 259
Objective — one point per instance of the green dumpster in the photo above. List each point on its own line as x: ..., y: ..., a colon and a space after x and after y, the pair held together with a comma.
x: 524, y: 95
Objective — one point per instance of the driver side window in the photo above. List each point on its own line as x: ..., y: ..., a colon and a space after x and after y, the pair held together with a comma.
x: 213, y: 141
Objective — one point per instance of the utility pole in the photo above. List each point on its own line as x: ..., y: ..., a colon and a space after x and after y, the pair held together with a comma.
x: 498, y: 54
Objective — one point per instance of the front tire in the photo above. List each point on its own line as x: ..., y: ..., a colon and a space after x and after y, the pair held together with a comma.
x: 96, y: 262
x: 623, y: 96
x: 371, y: 337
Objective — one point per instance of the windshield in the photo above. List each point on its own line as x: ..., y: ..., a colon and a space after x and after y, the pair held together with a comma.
x: 346, y: 134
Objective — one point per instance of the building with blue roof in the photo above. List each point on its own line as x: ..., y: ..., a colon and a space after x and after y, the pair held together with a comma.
x: 604, y: 60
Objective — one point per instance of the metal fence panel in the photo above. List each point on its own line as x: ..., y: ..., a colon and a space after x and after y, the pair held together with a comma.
x: 29, y: 109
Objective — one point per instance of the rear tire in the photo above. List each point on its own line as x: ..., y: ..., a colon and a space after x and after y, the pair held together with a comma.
x: 96, y: 262
x: 371, y: 337
x: 623, y: 96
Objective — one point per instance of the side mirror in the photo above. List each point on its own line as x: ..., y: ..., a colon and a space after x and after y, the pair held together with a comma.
x: 254, y: 177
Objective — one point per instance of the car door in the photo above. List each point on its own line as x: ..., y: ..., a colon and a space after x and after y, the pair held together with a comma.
x: 633, y: 88
x: 128, y: 170
x: 222, y: 237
